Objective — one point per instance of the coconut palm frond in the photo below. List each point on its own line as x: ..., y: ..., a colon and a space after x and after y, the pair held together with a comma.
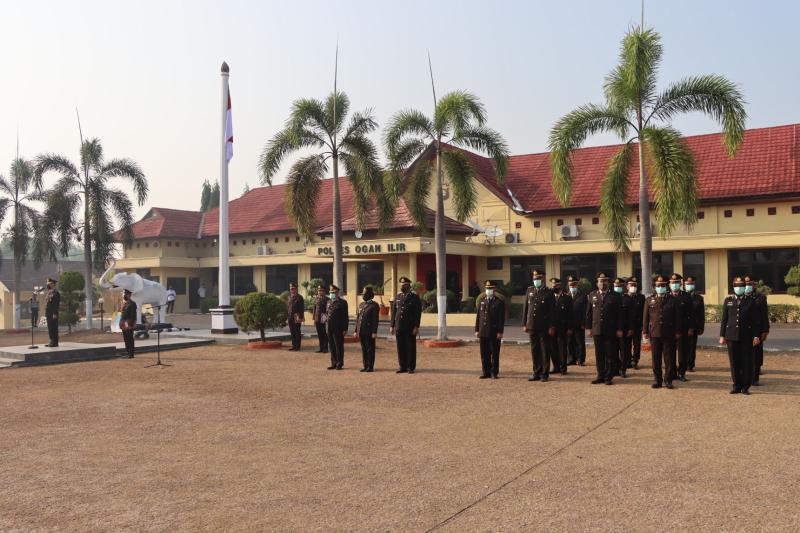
x: 612, y: 198
x: 130, y: 170
x: 342, y: 103
x: 58, y: 164
x: 302, y: 191
x: 672, y: 173
x: 407, y: 125
x: 488, y: 141
x: 456, y: 111
x: 92, y: 155
x: 462, y: 183
x: 640, y: 58
x: 416, y: 194
x: 361, y: 124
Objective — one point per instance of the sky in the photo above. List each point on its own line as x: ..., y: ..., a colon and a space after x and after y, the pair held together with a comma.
x: 145, y: 74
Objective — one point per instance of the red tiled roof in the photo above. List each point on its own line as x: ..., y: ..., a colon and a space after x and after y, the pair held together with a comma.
x: 166, y: 223
x: 402, y: 220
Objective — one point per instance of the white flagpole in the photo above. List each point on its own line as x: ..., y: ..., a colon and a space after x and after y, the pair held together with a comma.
x: 222, y: 241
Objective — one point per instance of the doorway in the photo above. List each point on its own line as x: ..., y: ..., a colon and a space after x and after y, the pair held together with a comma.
x: 194, y: 299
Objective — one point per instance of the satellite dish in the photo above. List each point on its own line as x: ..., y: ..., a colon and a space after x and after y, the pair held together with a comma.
x: 494, y: 232
x: 359, y: 234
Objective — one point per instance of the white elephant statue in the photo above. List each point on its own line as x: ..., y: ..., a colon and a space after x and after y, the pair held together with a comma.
x: 143, y: 291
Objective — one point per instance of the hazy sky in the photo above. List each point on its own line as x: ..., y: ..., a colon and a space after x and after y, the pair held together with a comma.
x: 145, y: 74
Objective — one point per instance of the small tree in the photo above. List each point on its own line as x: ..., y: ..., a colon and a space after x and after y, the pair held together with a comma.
x: 70, y: 285
x: 258, y: 311
x: 311, y: 287
x: 762, y: 288
x: 792, y: 280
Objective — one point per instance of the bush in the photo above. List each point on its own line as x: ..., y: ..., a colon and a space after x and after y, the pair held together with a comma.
x: 713, y: 313
x: 70, y: 285
x: 258, y: 311
x: 792, y: 280
x: 778, y: 313
x: 468, y: 306
x: 515, y: 310
x: 429, y: 299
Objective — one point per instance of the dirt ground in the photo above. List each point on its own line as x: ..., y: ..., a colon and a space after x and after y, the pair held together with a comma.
x: 231, y: 439
x: 94, y: 336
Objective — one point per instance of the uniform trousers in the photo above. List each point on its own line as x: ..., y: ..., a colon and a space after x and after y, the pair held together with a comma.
x: 490, y: 355
x: 127, y: 336
x: 367, y: 350
x: 691, y: 347
x: 52, y: 330
x: 758, y: 361
x: 322, y: 336
x: 740, y: 355
x: 406, y: 350
x: 560, y: 351
x: 606, y: 350
x: 635, y: 347
x: 577, y: 345
x: 541, y: 351
x: 294, y: 329
x: 683, y: 354
x: 663, y: 350
x: 336, y: 344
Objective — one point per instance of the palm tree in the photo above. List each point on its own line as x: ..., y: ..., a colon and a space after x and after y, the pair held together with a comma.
x: 89, y: 187
x: 632, y: 110
x: 459, y: 119
x: 314, y: 124
x: 25, y: 233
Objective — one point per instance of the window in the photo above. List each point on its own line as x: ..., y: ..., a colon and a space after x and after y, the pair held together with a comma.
x: 768, y: 265
x: 772, y: 210
x: 144, y: 272
x: 279, y: 277
x: 701, y: 215
x: 276, y: 239
x: 286, y: 239
x: 796, y: 209
x: 588, y: 265
x: 694, y: 264
x: 297, y: 238
x: 560, y: 222
x: 179, y: 284
x: 578, y: 221
x: 253, y: 241
x: 536, y: 223
x: 595, y: 220
x: 662, y: 264
x: 521, y: 271
x: 751, y: 212
x: 369, y: 273
x: 494, y: 263
x: 241, y: 281
x: 728, y: 213
x: 324, y: 271
x: 169, y: 244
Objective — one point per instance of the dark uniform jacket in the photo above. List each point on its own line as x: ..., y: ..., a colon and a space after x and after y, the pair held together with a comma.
x: 684, y: 309
x: 367, y: 318
x: 579, y: 302
x: 338, y: 315
x: 52, y: 301
x: 320, y: 307
x: 407, y: 312
x: 636, y: 310
x: 662, y: 317
x: 128, y: 314
x: 490, y: 319
x: 563, y: 312
x: 539, y: 311
x: 604, y: 313
x: 697, y: 314
x: 740, y: 321
x: 295, y: 305
x: 762, y: 310
x: 626, y: 312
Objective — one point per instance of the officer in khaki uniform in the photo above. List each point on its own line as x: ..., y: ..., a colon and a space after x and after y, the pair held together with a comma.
x: 367, y: 328
x: 697, y: 320
x: 762, y: 311
x: 490, y: 320
x: 295, y: 309
x: 539, y: 322
x: 604, y: 322
x: 338, y: 322
x: 564, y: 326
x: 633, y: 343
x: 577, y: 340
x: 739, y: 330
x: 684, y: 309
x: 406, y: 316
x: 662, y: 325
x: 626, y: 318
x: 320, y: 314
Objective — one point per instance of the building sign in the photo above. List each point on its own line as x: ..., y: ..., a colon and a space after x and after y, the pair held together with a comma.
x: 365, y: 249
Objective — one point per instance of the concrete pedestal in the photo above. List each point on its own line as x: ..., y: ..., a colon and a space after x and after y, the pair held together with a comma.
x: 222, y: 320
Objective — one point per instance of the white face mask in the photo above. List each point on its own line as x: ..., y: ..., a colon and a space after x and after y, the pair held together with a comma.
x: 689, y: 288
x: 675, y: 287
x: 489, y: 293
x: 332, y: 296
x: 573, y: 290
x: 631, y: 290
x: 537, y: 283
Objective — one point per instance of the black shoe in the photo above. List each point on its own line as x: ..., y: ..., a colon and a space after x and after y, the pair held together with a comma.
x: 756, y: 384
x: 670, y: 385
x: 410, y: 371
x: 691, y: 369
x: 734, y: 390
x: 339, y: 367
x: 484, y: 377
x: 581, y: 363
x: 331, y: 368
x: 534, y: 377
x: 746, y: 391
x: 655, y: 386
x: 291, y: 350
x: 363, y: 370
x: 598, y: 381
x: 623, y: 374
x: 495, y: 376
x: 572, y: 363
x: 564, y: 371
x: 682, y: 379
x: 630, y: 365
x: 636, y: 366
x: 545, y: 379
x: 370, y: 370
x: 401, y: 371
x: 609, y: 382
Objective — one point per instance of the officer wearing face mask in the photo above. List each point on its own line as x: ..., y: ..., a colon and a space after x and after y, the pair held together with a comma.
x: 338, y: 322
x: 405, y: 326
x: 577, y: 340
x: 662, y: 321
x: 490, y: 321
x: 633, y: 343
x: 697, y: 320
x: 367, y: 328
x: 623, y: 358
x: 564, y: 325
x: 538, y: 318
x: 604, y: 322
x: 739, y: 330
x: 762, y: 312
x: 684, y: 308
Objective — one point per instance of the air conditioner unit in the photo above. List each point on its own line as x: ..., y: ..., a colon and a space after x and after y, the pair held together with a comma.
x: 569, y: 231
x: 512, y: 238
x: 261, y: 250
x: 638, y: 230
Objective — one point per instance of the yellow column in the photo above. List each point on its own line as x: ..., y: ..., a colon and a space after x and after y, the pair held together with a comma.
x: 352, y: 286
x: 412, y: 267
x: 625, y: 264
x: 465, y: 276
x: 391, y: 287
x: 552, y: 266
x: 677, y: 263
x: 259, y: 279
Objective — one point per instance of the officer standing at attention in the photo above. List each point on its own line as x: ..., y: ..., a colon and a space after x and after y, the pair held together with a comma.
x: 320, y: 314
x: 697, y: 320
x: 684, y: 309
x: 577, y: 341
x: 127, y: 322
x: 762, y: 311
x: 338, y: 322
x: 538, y: 317
x: 367, y: 328
x: 490, y: 320
x: 604, y: 322
x: 405, y: 326
x: 739, y: 329
x: 51, y: 304
x: 633, y: 344
x: 623, y: 359
x: 564, y: 326
x: 295, y: 308
x: 661, y: 325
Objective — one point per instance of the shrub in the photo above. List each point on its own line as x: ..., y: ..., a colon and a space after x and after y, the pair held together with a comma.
x: 778, y: 313
x: 792, y: 280
x: 584, y: 286
x: 429, y: 299
x: 70, y: 285
x: 515, y: 310
x: 468, y: 306
x: 258, y: 311
x: 713, y: 313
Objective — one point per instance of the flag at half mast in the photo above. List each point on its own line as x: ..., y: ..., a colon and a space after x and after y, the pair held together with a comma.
x: 229, y: 131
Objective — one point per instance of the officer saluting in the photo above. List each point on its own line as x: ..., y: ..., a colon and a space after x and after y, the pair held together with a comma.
x: 405, y: 326
x: 367, y: 328
x: 604, y: 322
x: 52, y: 302
x: 739, y: 329
x: 490, y: 320
x: 577, y: 341
x: 697, y: 320
x: 564, y: 325
x: 320, y: 314
x: 295, y: 308
x: 661, y: 325
x: 633, y: 343
x: 762, y: 311
x: 338, y: 322
x: 539, y: 322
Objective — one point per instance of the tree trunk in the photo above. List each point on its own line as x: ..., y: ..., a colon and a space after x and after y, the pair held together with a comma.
x: 87, y: 260
x: 338, y: 262
x: 17, y: 273
x: 645, y: 233
x: 440, y: 239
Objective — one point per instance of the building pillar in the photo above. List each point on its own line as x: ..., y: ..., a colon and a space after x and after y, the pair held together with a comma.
x: 552, y: 266
x: 259, y: 279
x: 465, y: 276
x: 625, y: 265
x: 677, y: 263
x: 391, y: 290
x: 352, y: 285
x: 412, y: 267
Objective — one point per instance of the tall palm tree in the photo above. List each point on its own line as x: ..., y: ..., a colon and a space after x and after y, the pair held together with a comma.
x: 458, y: 119
x: 633, y: 111
x: 321, y: 125
x: 25, y: 233
x: 89, y: 187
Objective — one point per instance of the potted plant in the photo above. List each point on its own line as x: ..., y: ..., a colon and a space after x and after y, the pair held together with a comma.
x: 258, y: 311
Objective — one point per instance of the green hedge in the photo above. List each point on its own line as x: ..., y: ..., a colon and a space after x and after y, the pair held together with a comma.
x: 210, y: 302
x: 778, y: 313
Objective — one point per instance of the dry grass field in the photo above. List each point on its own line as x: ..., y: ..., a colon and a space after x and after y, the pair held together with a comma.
x: 231, y: 439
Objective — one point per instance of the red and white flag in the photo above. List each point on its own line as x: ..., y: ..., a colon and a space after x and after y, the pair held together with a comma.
x: 229, y: 131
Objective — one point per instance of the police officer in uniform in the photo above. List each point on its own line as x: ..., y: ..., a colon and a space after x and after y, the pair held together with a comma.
x: 490, y: 320
x: 762, y: 311
x: 52, y: 302
x: 684, y: 309
x: 662, y: 319
x: 623, y: 359
x: 405, y: 326
x: 633, y: 343
x: 320, y: 314
x: 739, y: 329
x: 577, y: 340
x: 539, y: 321
x: 604, y: 322
x: 367, y: 328
x: 564, y: 325
x: 697, y: 320
x: 295, y: 308
x: 338, y: 322
x: 127, y: 322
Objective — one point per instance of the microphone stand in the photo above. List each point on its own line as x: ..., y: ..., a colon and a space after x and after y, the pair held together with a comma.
x: 158, y: 339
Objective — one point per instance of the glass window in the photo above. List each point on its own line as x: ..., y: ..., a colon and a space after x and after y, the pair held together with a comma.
x: 279, y: 277
x: 179, y: 284
x: 370, y: 273
x: 588, y: 266
x: 767, y: 265
x: 494, y: 263
x: 694, y: 264
x: 521, y: 271
x: 662, y: 264
x: 324, y: 271
x: 241, y: 280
